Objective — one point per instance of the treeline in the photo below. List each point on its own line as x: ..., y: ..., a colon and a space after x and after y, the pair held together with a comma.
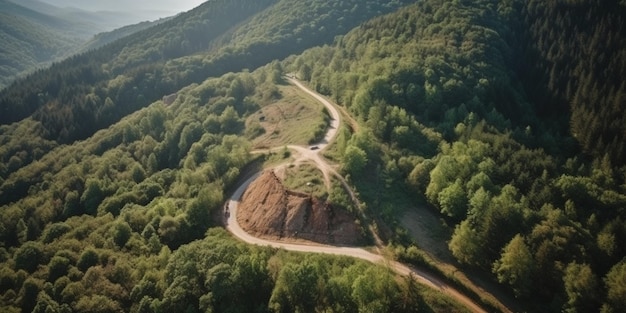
x: 104, y: 38
x: 444, y: 111
x: 145, y: 186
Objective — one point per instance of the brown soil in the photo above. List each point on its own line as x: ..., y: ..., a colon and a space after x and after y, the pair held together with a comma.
x: 269, y: 210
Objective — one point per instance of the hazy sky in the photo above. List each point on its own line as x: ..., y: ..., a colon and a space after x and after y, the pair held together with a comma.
x: 166, y: 6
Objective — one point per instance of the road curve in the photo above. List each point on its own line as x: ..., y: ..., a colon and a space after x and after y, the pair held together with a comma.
x: 233, y: 226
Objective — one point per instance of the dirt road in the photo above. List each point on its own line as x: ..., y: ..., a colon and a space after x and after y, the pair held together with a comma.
x: 306, y: 152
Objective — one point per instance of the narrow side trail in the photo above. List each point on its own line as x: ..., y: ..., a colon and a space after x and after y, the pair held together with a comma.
x: 314, y: 155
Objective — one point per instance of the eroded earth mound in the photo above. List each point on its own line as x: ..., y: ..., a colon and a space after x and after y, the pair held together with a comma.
x: 269, y: 210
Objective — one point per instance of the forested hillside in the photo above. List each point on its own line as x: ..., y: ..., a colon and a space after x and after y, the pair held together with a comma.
x: 505, y: 118
x: 30, y: 39
x: 74, y: 98
x: 448, y: 114
x: 579, y: 52
x: 118, y: 222
x: 35, y: 34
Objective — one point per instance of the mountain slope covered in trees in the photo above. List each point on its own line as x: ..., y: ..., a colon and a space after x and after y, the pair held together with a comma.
x: 75, y: 98
x: 35, y: 34
x: 580, y: 58
x: 158, y: 57
x: 471, y: 109
x: 30, y: 39
x: 445, y: 96
x: 119, y: 222
x: 104, y: 38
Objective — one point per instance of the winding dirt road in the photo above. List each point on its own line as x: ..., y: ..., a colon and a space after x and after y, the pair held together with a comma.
x: 328, y: 170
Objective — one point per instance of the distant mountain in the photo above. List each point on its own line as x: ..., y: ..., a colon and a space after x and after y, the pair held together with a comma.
x: 215, y: 38
x: 51, y: 18
x: 35, y: 33
x: 104, y: 38
x: 29, y: 40
x: 102, y: 20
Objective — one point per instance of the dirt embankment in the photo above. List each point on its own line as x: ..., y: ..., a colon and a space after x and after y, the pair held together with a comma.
x: 269, y: 210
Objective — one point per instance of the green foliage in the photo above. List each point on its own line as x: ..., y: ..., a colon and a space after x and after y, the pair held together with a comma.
x: 614, y: 281
x: 354, y: 160
x: 121, y: 234
x: 465, y: 244
x: 87, y: 259
x: 581, y: 287
x: 57, y: 267
x: 31, y: 39
x: 515, y: 265
x: 580, y: 75
x: 97, y: 304
x: 92, y: 196
x: 446, y: 105
x: 452, y: 200
x: 293, y: 289
x: 436, y: 71
x: 215, y: 38
x: 28, y: 294
x: 200, y: 210
x: 374, y: 291
x: 29, y: 256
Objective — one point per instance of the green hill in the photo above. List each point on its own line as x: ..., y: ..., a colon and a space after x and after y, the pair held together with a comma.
x: 30, y: 40
x: 492, y: 115
x: 36, y: 34
x: 69, y: 98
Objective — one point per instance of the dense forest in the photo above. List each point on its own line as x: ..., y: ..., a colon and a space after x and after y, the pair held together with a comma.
x: 505, y: 118
x: 131, y: 73
x: 580, y: 60
x: 445, y: 113
x: 36, y: 34
x: 119, y: 222
x: 30, y: 39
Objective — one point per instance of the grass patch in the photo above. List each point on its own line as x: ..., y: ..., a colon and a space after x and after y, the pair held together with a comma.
x: 334, y: 151
x: 305, y: 178
x: 296, y: 118
x: 435, y: 301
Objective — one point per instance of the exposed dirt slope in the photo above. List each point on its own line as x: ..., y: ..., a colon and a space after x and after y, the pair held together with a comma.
x: 269, y: 210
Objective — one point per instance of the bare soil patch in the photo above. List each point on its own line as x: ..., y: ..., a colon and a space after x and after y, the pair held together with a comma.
x: 269, y: 210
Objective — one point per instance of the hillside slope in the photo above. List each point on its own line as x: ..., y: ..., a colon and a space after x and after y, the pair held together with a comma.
x: 577, y: 53
x: 100, y: 181
x: 75, y: 98
x: 120, y: 222
x: 141, y: 57
x: 32, y: 39
x: 449, y: 117
x: 104, y: 38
